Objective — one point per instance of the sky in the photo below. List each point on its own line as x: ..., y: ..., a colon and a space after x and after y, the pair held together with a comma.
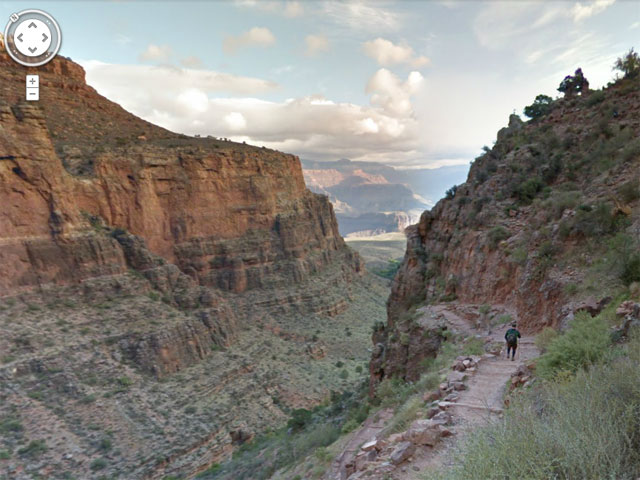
x: 407, y: 83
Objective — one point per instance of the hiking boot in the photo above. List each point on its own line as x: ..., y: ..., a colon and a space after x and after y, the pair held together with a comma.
x: 512, y: 359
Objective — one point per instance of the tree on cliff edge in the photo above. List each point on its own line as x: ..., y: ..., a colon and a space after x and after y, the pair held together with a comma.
x: 540, y: 107
x: 574, y: 84
x: 629, y: 64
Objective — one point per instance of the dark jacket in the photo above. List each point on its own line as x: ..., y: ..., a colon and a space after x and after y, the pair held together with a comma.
x: 517, y: 335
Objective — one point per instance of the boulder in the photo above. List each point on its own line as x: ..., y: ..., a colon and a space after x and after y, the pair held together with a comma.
x: 432, y: 396
x: 395, y: 438
x: 452, y: 397
x: 457, y: 377
x: 423, y: 432
x: 458, y: 386
x: 371, y: 445
x: 442, y: 418
x: 403, y: 451
x: 433, y: 411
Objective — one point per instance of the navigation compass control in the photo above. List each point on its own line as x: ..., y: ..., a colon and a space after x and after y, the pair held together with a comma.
x: 32, y: 37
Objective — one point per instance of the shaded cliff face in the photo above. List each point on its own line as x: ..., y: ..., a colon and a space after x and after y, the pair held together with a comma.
x: 173, y: 295
x: 530, y: 228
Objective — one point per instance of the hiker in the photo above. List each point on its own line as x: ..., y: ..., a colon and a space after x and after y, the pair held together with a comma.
x: 512, y: 337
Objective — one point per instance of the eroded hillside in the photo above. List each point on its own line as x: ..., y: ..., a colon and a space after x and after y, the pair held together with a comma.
x: 545, y: 225
x: 163, y: 299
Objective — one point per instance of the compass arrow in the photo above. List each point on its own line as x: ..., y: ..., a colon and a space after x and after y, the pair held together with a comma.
x: 32, y: 50
x: 20, y: 37
x: 44, y: 37
x: 32, y: 25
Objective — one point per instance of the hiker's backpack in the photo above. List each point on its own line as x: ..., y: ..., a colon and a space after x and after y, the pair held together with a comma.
x: 512, y: 337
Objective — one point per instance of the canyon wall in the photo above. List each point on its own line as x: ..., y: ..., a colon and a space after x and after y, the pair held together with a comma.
x: 526, y: 231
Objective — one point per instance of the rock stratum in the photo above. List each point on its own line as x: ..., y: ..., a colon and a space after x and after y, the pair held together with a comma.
x: 162, y: 298
x: 528, y: 231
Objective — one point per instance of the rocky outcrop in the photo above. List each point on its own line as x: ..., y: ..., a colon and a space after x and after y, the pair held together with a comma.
x: 528, y: 202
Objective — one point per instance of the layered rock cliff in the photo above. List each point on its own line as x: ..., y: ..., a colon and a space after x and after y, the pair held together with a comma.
x: 143, y: 272
x: 526, y: 231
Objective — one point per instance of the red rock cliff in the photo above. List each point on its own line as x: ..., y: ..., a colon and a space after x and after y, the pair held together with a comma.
x: 529, y: 221
x: 230, y: 216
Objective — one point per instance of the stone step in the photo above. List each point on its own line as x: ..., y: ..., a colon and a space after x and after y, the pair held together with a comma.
x: 473, y: 407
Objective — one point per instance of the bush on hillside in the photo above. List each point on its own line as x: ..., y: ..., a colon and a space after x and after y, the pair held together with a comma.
x: 545, y: 337
x: 629, y: 64
x: 496, y: 235
x: 540, y: 107
x: 629, y: 191
x: 449, y: 194
x: 583, y: 344
x: 595, y: 220
x: 526, y: 191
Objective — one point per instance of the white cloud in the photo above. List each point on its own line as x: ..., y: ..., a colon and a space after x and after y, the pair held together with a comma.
x: 115, y: 80
x: 634, y: 25
x: 360, y: 16
x: 313, y: 126
x: 581, y: 11
x: 235, y: 121
x: 256, y: 37
x: 316, y: 44
x: 191, y: 62
x: 293, y: 9
x: 159, y: 53
x: 392, y: 94
x: 123, y: 40
x: 289, y: 9
x: 503, y: 24
x: 386, y: 53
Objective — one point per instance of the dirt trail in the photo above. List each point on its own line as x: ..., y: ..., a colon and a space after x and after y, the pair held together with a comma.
x: 479, y: 404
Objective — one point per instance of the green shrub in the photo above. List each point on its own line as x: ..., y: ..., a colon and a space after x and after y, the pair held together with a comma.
x: 540, y: 107
x: 33, y: 449
x: 584, y: 343
x: 560, y: 202
x: 350, y: 426
x: 624, y: 258
x: 404, y: 416
x: 545, y: 337
x: 629, y: 191
x: 4, y: 455
x: 594, y: 221
x: 584, y: 428
x: 629, y: 65
x: 300, y: 417
x: 10, y: 424
x: 473, y: 346
x: 595, y: 97
x: 526, y: 191
x: 344, y: 374
x: 449, y: 194
x: 496, y: 235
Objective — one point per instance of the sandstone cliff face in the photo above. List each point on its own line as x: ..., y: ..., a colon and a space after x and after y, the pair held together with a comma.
x: 230, y: 216
x: 521, y: 228
x: 151, y: 271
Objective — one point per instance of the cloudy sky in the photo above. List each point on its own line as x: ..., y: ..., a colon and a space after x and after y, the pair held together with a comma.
x: 408, y: 83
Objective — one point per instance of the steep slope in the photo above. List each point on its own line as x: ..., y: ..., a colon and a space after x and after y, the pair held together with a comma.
x: 162, y: 298
x: 529, y: 227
